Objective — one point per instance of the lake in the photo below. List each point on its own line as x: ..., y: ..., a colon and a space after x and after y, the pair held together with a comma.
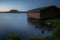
x: 18, y: 23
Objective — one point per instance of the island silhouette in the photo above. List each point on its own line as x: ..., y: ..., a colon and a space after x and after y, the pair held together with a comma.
x: 13, y: 11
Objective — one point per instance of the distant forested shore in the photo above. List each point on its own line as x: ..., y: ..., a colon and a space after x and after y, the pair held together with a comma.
x: 13, y: 11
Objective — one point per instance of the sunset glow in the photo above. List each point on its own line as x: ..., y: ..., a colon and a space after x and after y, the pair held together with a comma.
x: 3, y: 9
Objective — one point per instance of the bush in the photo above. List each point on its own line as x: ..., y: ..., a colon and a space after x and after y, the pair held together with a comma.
x: 13, y: 36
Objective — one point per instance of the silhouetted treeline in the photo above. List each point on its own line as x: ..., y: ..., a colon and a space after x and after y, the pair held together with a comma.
x: 14, y: 11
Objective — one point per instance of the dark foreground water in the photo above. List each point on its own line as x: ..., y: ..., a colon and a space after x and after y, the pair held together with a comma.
x: 19, y: 24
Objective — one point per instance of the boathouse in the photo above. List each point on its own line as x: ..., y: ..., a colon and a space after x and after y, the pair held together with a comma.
x: 49, y: 12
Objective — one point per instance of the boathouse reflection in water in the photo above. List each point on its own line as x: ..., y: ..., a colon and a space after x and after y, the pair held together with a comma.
x: 40, y: 25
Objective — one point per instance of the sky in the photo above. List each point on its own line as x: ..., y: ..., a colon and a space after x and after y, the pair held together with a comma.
x: 25, y: 5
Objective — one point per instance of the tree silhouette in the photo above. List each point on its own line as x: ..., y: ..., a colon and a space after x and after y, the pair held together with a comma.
x: 13, y: 11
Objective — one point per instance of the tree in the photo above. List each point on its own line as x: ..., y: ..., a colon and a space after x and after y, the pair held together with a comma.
x: 13, y: 11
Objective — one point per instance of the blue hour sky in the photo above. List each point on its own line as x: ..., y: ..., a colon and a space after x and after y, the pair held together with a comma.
x: 25, y: 5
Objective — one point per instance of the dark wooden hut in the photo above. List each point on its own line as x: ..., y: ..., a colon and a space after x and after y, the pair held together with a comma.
x: 50, y: 12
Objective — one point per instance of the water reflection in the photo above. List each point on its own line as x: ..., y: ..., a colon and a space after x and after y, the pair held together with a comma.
x: 18, y: 23
x: 39, y: 25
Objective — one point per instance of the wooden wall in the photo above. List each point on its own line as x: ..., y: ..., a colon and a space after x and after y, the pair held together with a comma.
x: 34, y: 15
x: 49, y: 13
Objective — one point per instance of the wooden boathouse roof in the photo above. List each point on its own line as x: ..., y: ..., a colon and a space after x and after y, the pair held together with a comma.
x: 42, y: 8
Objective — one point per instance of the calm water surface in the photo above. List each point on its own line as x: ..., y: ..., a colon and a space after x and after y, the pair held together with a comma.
x: 18, y: 23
